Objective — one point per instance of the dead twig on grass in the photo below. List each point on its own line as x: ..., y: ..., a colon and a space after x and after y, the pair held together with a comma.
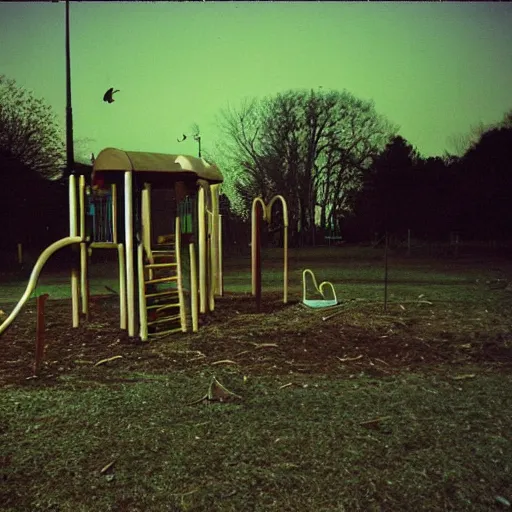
x: 107, y: 360
x: 464, y: 376
x: 345, y: 359
x: 217, y: 393
x: 374, y: 420
x: 108, y: 466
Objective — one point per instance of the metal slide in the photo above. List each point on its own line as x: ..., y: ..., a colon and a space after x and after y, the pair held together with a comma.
x: 34, y: 276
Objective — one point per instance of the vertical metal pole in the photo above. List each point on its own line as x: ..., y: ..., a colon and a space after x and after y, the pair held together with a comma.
x: 202, y: 249
x: 84, y: 272
x: 114, y: 212
x: 193, y: 288
x: 73, y: 231
x: 130, y: 271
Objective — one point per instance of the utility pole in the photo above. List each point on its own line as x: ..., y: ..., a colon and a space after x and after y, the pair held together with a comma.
x: 70, y: 155
x: 197, y: 138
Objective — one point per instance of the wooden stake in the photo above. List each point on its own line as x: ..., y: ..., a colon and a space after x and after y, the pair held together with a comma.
x: 39, y: 332
x: 257, y: 253
x: 386, y: 273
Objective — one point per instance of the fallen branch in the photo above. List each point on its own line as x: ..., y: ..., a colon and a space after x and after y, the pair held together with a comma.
x: 103, y: 361
x: 104, y: 469
x: 375, y: 420
x: 224, y: 361
x: 349, y: 358
x: 285, y: 385
x: 463, y: 377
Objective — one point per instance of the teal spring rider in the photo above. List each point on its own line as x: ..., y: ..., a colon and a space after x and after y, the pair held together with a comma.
x: 325, y: 301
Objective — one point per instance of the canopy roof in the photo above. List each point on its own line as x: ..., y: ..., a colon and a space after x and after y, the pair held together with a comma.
x: 160, y: 168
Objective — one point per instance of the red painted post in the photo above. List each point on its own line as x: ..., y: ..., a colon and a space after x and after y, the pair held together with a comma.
x: 259, y: 216
x: 39, y: 332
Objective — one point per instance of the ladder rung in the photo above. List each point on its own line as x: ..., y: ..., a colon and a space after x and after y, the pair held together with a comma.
x: 160, y: 265
x: 162, y: 280
x: 162, y: 294
x: 159, y: 307
x: 168, y: 251
x: 162, y: 333
x: 164, y: 320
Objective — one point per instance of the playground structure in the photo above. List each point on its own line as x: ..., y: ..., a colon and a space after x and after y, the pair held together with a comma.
x: 152, y: 295
x: 263, y: 212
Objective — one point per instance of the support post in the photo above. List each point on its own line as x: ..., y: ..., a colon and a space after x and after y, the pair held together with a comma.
x: 122, y: 287
x: 75, y: 295
x: 220, y: 271
x: 215, y: 238
x: 143, y: 314
x: 128, y: 230
x: 146, y: 221
x: 146, y: 217
x: 113, y: 189
x: 193, y: 288
x: 84, y: 281
x: 202, y: 249
x: 177, y: 245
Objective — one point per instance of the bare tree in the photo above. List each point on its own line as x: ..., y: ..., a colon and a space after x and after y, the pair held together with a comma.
x: 29, y: 131
x: 311, y: 147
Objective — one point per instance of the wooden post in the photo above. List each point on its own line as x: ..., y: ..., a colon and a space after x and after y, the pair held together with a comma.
x: 386, y: 273
x: 39, y: 332
x: 257, y: 254
x: 20, y: 254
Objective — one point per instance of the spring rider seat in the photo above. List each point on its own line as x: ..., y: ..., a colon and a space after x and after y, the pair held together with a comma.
x: 324, y: 302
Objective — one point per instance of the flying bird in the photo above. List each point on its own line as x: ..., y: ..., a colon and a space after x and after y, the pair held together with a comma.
x: 184, y: 137
x: 108, y: 95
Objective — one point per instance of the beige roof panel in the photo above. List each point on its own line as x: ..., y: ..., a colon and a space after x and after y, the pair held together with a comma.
x: 117, y: 160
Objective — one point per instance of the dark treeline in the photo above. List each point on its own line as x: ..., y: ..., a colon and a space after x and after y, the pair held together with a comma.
x: 433, y: 197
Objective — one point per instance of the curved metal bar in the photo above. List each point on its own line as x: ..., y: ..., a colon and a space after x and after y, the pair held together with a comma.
x: 34, y: 276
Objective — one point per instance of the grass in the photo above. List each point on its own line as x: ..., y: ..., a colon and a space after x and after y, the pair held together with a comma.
x: 303, y: 447
x: 420, y: 420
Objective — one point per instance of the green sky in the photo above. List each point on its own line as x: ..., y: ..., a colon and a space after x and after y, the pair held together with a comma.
x: 434, y: 69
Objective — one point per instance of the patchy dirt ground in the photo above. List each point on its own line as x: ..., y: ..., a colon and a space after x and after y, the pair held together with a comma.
x: 280, y: 340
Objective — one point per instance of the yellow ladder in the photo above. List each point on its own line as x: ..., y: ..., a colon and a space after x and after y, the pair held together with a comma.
x: 162, y: 308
